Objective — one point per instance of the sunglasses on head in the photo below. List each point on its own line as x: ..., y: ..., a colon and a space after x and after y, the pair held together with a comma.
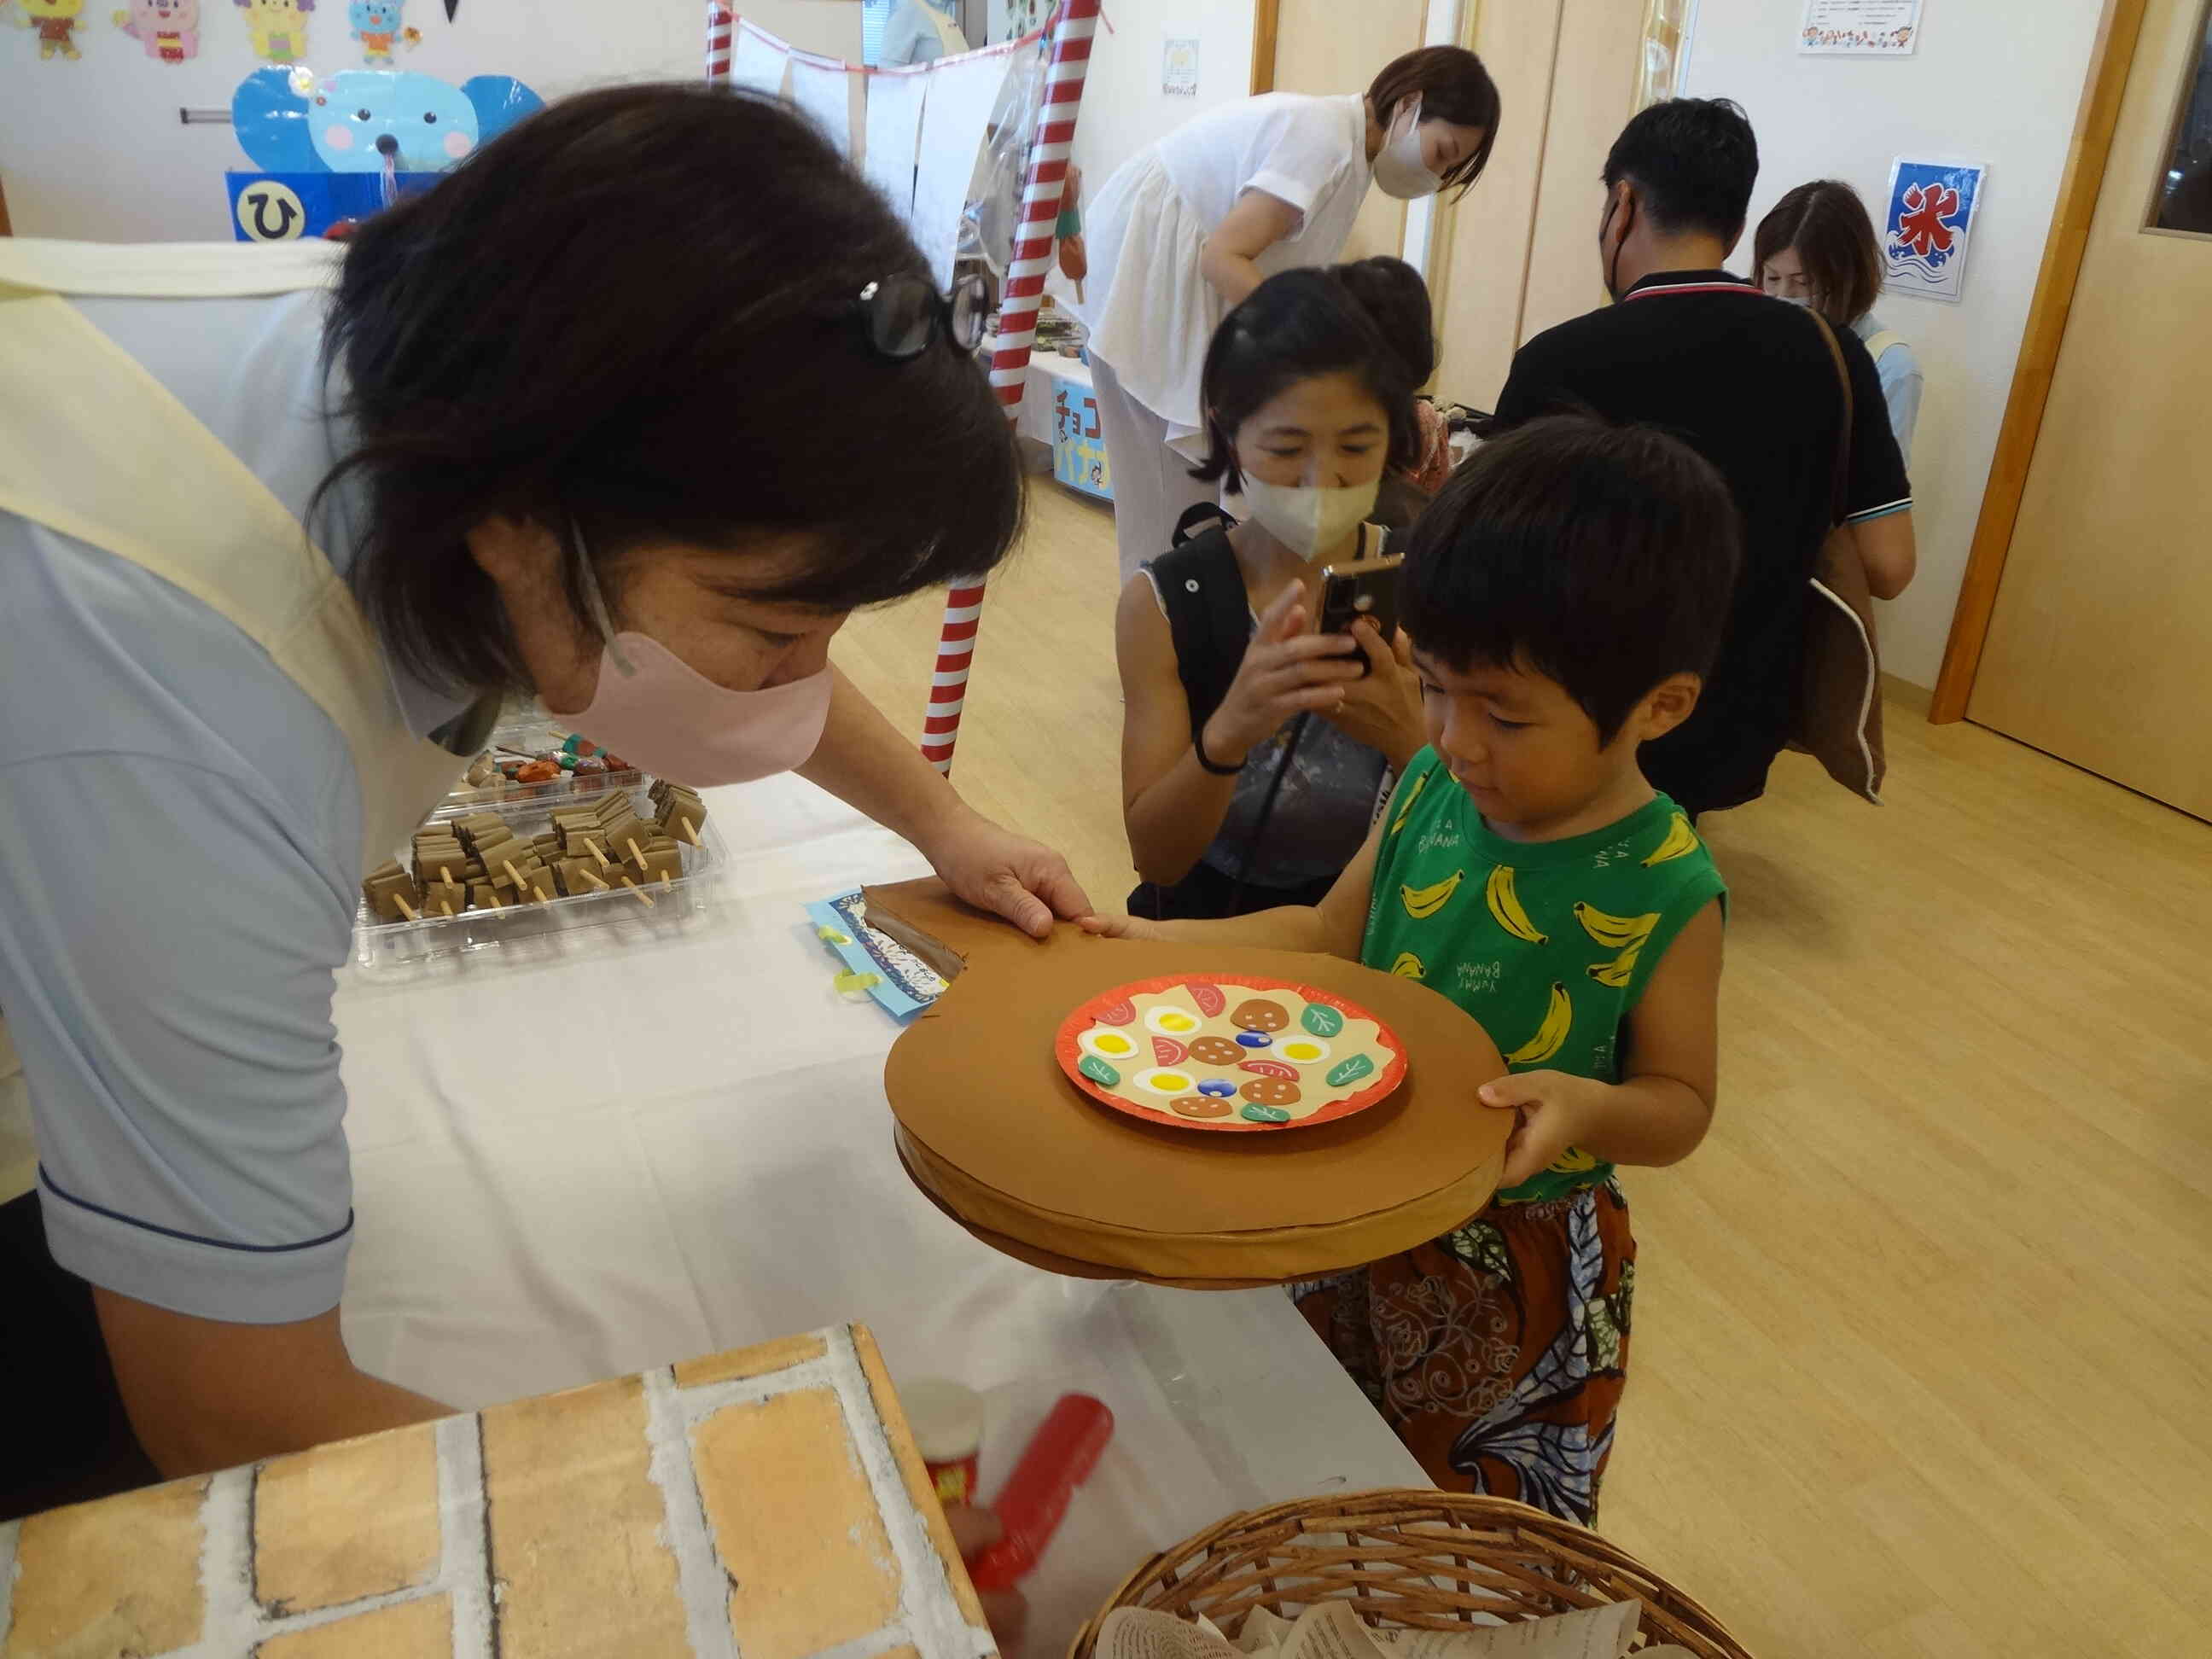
x: 901, y: 317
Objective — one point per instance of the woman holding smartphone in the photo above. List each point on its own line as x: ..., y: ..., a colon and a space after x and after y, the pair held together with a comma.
x: 1254, y: 749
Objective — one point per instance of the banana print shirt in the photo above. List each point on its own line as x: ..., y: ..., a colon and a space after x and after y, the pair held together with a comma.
x: 1549, y: 945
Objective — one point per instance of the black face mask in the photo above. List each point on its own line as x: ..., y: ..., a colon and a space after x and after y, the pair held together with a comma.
x: 1612, y: 261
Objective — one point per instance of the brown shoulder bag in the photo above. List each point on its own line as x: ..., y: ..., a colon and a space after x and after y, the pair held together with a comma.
x: 1839, y: 705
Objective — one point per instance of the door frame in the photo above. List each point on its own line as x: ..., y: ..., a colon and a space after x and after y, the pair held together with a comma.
x: 2111, y: 61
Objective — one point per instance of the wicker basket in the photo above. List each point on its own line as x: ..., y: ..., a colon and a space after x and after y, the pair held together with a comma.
x: 1409, y: 1560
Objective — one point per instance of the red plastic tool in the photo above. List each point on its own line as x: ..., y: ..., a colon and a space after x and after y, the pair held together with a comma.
x: 1058, y: 1459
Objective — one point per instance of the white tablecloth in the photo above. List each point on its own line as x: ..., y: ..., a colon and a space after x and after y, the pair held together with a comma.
x: 630, y: 1151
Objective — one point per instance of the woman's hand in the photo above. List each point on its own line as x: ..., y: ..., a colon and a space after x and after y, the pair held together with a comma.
x: 1287, y: 672
x: 1383, y: 710
x: 996, y: 869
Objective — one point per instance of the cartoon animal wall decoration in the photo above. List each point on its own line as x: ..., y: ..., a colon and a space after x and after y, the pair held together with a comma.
x: 56, y: 21
x: 371, y: 120
x: 168, y: 29
x: 279, y: 28
x: 381, y: 26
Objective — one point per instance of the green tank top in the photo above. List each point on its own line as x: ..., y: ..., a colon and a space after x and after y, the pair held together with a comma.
x: 1548, y: 945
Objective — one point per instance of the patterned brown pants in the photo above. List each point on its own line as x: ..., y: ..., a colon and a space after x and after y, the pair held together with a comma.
x: 1498, y: 1352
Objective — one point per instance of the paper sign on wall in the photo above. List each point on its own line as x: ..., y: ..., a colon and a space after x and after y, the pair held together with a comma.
x: 1179, y: 68
x: 1861, y: 29
x: 1925, y: 226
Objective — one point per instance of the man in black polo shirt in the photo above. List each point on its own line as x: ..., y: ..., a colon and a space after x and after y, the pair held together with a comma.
x: 1749, y: 382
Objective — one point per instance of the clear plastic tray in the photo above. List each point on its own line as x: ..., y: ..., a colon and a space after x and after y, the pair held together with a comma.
x: 401, y: 948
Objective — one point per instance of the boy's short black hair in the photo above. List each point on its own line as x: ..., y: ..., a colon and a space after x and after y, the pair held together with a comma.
x: 1693, y: 161
x: 1601, y: 557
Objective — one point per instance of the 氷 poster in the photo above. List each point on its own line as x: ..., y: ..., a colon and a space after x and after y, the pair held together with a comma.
x: 1925, y: 227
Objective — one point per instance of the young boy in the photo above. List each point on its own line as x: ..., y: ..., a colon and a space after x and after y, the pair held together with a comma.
x: 1565, y: 594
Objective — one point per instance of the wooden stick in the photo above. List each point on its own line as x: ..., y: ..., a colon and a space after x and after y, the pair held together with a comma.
x: 689, y: 834
x: 514, y: 875
x: 636, y: 857
x: 445, y: 875
x: 593, y: 880
x: 643, y: 898
x: 405, y: 908
x: 605, y: 863
x: 667, y: 882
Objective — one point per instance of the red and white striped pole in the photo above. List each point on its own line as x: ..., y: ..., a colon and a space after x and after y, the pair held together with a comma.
x: 1068, y: 61
x: 721, y: 24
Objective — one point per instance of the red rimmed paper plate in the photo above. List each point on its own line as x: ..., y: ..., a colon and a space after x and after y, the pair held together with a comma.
x: 1229, y: 1052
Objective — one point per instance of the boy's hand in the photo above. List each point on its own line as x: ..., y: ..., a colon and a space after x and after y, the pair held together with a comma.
x: 1556, y: 1111
x: 1117, y: 927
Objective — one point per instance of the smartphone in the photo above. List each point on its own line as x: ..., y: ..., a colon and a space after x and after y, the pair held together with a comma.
x: 1365, y: 587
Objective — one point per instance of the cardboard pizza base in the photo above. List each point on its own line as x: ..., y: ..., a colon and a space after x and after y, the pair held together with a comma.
x: 1220, y: 1261
x: 998, y: 1135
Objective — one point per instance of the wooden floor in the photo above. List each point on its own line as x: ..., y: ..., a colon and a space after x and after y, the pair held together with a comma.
x: 1923, y: 1354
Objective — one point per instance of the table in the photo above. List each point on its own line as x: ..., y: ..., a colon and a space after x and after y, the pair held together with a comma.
x: 767, y: 1502
x: 629, y: 1151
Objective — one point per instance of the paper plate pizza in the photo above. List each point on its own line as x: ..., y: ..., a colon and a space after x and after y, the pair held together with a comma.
x: 1227, y: 1051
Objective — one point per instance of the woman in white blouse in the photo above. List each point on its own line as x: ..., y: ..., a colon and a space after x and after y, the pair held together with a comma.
x: 1186, y: 227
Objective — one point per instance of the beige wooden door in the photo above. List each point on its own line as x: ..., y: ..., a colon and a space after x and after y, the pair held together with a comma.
x: 1325, y: 46
x: 1519, y: 253
x: 2100, y: 648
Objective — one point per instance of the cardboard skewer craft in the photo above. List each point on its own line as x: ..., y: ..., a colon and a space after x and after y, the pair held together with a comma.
x: 994, y: 1132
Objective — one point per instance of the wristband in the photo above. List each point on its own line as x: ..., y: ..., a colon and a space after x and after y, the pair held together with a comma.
x: 1198, y: 748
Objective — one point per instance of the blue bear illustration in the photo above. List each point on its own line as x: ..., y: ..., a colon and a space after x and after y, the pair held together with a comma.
x: 352, y: 121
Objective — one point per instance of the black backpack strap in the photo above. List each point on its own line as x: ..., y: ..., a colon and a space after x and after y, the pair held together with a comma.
x: 1199, y: 513
x: 1209, y: 617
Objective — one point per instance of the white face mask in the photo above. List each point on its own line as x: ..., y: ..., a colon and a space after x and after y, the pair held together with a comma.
x: 1802, y: 300
x: 1399, y: 168
x: 1309, y: 518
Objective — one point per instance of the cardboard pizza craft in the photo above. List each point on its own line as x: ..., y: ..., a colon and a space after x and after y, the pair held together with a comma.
x: 999, y: 1137
x: 1225, y: 1055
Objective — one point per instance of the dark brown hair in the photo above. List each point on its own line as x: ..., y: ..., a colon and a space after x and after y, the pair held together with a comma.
x: 1453, y: 86
x: 1602, y: 557
x: 1827, y: 224
x: 1297, y: 326
x: 635, y: 311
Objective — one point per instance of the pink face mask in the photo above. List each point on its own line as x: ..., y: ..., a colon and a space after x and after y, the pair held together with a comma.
x: 659, y: 712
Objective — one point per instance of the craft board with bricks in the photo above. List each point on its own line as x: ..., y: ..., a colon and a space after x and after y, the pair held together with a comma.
x: 764, y: 1504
